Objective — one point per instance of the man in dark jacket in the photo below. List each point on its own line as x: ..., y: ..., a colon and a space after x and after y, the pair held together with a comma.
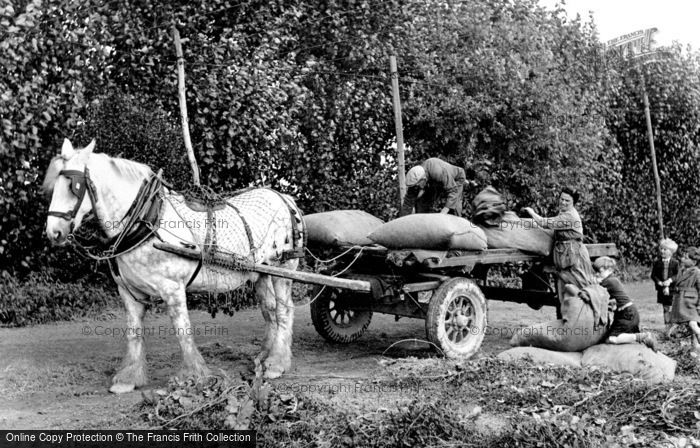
x: 427, y: 182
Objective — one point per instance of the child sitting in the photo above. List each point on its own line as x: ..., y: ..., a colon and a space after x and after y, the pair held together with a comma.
x: 625, y: 326
x: 686, y: 306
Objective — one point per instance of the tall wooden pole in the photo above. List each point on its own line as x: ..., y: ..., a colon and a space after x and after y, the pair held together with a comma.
x: 399, y: 127
x: 650, y: 135
x: 183, y: 106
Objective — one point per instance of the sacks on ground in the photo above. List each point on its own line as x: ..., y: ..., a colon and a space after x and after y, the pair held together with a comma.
x: 637, y: 359
x: 586, y: 317
x: 489, y: 206
x: 519, y: 233
x: 542, y: 356
x: 430, y: 231
x: 341, y: 227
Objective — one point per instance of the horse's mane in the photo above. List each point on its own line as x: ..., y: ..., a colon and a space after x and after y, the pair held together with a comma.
x: 129, y: 169
x: 55, y: 166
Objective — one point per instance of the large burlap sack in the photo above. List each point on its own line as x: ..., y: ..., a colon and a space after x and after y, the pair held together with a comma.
x: 637, y: 359
x: 542, y: 356
x: 341, y: 227
x: 586, y: 318
x: 519, y: 233
x: 430, y: 231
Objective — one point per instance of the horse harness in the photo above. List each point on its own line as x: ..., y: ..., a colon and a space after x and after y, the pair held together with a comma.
x: 210, y: 241
x: 80, y: 182
x: 139, y: 223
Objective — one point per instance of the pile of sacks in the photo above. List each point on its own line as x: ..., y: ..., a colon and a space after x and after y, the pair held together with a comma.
x: 575, y: 340
x: 433, y: 231
x: 493, y: 227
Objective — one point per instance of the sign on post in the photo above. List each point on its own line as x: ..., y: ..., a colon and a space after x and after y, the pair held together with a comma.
x: 639, y: 47
x: 633, y: 45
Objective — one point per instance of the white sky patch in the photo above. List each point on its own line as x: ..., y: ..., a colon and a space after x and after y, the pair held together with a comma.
x: 676, y: 20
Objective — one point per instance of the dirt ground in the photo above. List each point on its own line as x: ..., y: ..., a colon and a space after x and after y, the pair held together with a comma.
x: 56, y: 376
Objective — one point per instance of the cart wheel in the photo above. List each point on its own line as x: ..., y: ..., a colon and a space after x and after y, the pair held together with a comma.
x: 334, y: 322
x: 456, y: 319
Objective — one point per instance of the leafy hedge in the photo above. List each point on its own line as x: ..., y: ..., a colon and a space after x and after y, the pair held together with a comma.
x: 40, y: 299
x: 297, y: 95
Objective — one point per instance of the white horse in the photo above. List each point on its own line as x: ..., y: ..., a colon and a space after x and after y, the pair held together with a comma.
x: 261, y: 234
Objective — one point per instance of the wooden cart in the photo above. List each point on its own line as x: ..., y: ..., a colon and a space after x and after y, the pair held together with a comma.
x: 448, y: 290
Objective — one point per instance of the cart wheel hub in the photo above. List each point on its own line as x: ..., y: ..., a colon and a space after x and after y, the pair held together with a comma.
x: 461, y: 321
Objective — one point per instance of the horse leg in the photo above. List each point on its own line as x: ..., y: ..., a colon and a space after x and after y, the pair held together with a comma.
x: 192, y: 362
x: 265, y: 294
x: 132, y: 372
x: 280, y: 356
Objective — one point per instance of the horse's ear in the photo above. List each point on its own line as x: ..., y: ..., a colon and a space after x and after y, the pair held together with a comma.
x: 89, y: 148
x: 67, y: 150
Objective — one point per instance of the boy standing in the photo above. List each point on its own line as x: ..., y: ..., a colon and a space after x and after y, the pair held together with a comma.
x: 663, y: 273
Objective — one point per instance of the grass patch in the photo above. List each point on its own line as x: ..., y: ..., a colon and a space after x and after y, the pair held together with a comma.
x: 27, y: 377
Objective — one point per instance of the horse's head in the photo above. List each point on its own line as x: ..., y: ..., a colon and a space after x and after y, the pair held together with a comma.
x: 68, y: 179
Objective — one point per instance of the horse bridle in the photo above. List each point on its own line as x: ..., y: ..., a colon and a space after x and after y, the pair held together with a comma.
x: 80, y: 182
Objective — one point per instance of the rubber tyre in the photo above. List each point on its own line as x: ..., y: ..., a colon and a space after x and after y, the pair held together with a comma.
x: 334, y: 324
x: 457, y: 318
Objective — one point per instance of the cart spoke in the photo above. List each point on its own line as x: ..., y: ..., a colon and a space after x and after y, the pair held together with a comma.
x: 469, y: 310
x: 451, y: 307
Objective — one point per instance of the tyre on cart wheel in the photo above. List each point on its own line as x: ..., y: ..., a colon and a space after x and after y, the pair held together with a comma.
x: 334, y: 321
x: 456, y: 320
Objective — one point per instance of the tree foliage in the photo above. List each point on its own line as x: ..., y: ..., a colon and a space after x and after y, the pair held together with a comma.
x: 297, y: 95
x: 672, y: 83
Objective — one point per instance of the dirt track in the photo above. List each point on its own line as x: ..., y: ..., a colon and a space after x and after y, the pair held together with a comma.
x: 56, y: 376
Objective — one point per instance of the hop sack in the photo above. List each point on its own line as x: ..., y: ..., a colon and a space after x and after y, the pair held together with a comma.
x: 637, y: 359
x: 542, y: 356
x: 580, y: 327
x: 435, y: 231
x: 341, y: 227
x: 517, y: 233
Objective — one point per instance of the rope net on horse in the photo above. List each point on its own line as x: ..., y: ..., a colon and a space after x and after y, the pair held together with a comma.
x: 231, y: 231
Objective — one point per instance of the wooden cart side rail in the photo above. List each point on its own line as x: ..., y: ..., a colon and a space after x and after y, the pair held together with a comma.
x: 501, y: 294
x: 306, y: 277
x: 496, y: 256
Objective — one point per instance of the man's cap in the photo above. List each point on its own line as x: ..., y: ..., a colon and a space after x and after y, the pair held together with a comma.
x: 604, y: 263
x: 414, y: 175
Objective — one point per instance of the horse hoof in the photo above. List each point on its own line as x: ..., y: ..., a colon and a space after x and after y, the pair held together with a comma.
x: 122, y: 388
